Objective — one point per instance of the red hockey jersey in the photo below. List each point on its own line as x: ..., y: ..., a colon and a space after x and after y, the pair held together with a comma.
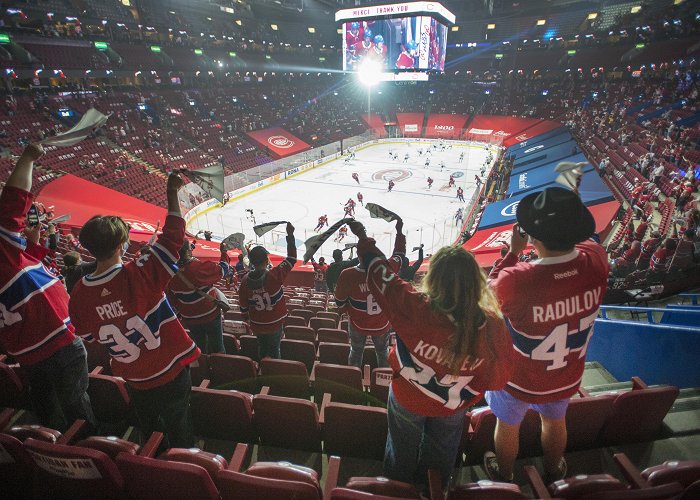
x: 421, y: 383
x: 319, y: 272
x: 261, y: 294
x: 125, y: 309
x: 352, y: 295
x: 550, y: 306
x: 34, y: 320
x: 193, y: 308
x: 404, y: 61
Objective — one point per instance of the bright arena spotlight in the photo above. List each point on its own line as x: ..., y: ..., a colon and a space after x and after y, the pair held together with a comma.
x: 369, y: 73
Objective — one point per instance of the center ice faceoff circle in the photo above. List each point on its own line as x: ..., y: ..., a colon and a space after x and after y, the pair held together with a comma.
x: 394, y: 174
x: 280, y: 141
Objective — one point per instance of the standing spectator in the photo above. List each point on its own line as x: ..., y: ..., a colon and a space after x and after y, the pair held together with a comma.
x: 551, y: 344
x: 662, y: 256
x: 194, y: 297
x: 337, y: 266
x: 648, y: 249
x: 452, y: 344
x: 657, y: 174
x: 261, y: 296
x: 320, y: 270
x: 74, y: 269
x: 123, y: 307
x: 34, y: 324
x: 366, y: 318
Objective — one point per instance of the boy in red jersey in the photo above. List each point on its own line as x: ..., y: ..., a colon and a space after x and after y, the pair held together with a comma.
x: 193, y: 295
x: 320, y: 269
x: 123, y: 307
x: 34, y: 324
x: 550, y: 325
x: 366, y: 317
x: 261, y: 296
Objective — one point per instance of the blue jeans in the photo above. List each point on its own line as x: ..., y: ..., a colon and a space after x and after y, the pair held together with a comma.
x: 58, y: 388
x: 269, y: 344
x: 357, y: 347
x: 416, y: 443
x: 320, y: 286
x: 209, y: 336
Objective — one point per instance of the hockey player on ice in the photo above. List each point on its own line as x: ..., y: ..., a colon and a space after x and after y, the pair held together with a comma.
x: 391, y: 185
x: 458, y: 217
x: 461, y: 157
x: 460, y: 194
x: 356, y: 177
x: 405, y: 158
x: 430, y: 182
x: 442, y: 165
x: 427, y: 161
x: 342, y: 232
x: 360, y: 198
x: 323, y: 220
x: 452, y: 181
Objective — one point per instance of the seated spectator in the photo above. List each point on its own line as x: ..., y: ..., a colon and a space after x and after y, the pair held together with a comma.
x: 662, y: 256
x: 648, y: 248
x: 683, y: 257
x: 624, y: 265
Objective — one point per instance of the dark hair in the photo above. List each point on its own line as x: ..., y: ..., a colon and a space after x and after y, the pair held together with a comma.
x: 71, y: 259
x: 558, y: 246
x: 103, y: 234
x: 504, y: 251
x: 337, y: 254
x: 185, y: 253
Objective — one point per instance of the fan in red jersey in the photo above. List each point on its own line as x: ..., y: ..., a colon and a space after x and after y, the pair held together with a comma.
x: 550, y: 325
x: 320, y: 269
x: 36, y: 329
x: 123, y: 307
x: 451, y: 345
x: 261, y: 296
x: 366, y: 317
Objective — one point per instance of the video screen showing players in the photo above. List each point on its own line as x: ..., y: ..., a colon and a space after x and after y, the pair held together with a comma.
x: 407, y: 43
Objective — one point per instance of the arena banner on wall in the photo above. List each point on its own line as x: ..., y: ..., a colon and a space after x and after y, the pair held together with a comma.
x: 83, y: 199
x: 278, y: 141
x: 592, y: 190
x: 537, y: 132
x: 541, y: 176
x: 534, y: 146
x: 376, y: 123
x: 411, y: 124
x: 444, y: 125
x: 547, y: 155
x: 497, y: 126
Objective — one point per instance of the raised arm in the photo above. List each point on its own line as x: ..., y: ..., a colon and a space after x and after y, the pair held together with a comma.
x: 21, y: 176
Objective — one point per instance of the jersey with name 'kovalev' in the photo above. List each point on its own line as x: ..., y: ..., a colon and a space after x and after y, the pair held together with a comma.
x: 352, y: 295
x: 421, y: 383
x: 550, y: 306
x: 125, y: 310
x: 261, y: 294
x: 34, y: 321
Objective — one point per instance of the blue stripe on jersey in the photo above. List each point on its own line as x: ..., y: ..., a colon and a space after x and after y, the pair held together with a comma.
x: 14, y: 239
x: 277, y: 296
x: 360, y: 305
x: 157, y: 316
x: 26, y: 283
x: 165, y: 258
x: 340, y: 303
x: 574, y: 339
x: 225, y: 268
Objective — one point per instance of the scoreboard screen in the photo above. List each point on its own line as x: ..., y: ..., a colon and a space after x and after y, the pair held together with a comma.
x: 399, y: 37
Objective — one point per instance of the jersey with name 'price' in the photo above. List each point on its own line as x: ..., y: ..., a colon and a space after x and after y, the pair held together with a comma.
x: 34, y: 320
x: 550, y: 306
x: 125, y: 310
x: 262, y: 295
x: 421, y: 382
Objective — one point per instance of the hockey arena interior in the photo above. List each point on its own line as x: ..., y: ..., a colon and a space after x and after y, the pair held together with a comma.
x: 348, y: 249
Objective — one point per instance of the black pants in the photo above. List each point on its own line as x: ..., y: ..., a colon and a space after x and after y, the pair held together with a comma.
x: 58, y: 388
x: 166, y: 409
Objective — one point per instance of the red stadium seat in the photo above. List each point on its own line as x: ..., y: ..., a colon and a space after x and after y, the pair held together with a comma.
x: 249, y: 347
x: 274, y: 480
x: 333, y: 353
x: 109, y: 445
x: 383, y: 486
x: 211, y: 462
x: 285, y: 378
x: 332, y: 335
x: 343, y: 383
x: 301, y: 430
x: 227, y: 371
x: 223, y: 415
x: 354, y: 430
x: 72, y: 472
x: 148, y: 478
x: 299, y: 350
x: 16, y: 468
x: 293, y: 332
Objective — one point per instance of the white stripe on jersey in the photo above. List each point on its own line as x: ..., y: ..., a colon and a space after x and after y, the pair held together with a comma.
x: 175, y: 360
x: 43, y: 341
x: 553, y: 391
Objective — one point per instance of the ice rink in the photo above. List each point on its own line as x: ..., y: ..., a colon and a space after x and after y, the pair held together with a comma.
x: 428, y: 213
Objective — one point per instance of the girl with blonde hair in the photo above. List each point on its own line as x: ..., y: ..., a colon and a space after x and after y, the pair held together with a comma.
x: 451, y: 345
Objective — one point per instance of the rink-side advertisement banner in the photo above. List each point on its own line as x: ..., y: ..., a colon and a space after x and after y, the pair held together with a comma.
x: 411, y: 124
x: 278, y: 141
x: 444, y: 125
